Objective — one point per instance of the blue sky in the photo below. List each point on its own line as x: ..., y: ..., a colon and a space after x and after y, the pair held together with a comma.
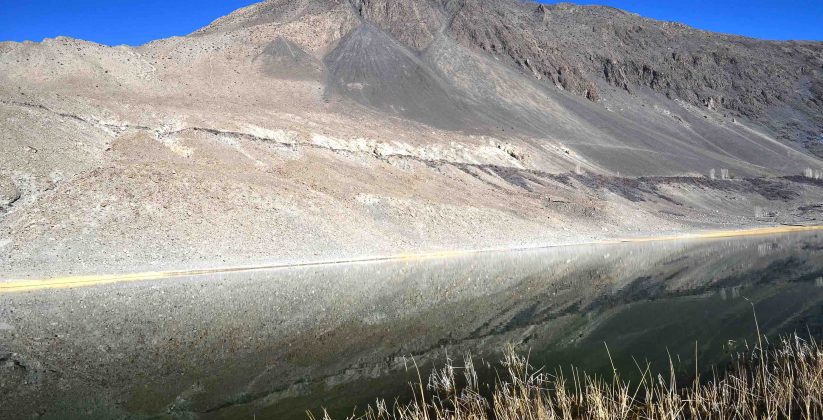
x: 136, y: 22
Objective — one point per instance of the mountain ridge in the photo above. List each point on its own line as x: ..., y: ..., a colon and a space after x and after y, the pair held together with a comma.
x: 713, y: 78
x: 293, y: 130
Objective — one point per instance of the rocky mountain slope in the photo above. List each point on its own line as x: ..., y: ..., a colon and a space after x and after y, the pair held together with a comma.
x: 314, y: 129
x: 591, y: 50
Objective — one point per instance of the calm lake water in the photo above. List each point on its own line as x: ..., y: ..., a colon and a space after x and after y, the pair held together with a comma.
x: 273, y: 344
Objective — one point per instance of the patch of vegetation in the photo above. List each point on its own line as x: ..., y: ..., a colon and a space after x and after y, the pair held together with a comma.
x: 780, y: 380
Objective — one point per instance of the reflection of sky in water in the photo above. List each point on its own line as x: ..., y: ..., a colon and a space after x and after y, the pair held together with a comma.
x: 274, y: 343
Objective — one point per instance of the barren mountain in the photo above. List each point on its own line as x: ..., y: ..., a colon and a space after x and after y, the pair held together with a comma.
x: 317, y: 129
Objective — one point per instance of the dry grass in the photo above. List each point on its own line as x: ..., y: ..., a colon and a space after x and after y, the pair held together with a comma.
x: 783, y: 380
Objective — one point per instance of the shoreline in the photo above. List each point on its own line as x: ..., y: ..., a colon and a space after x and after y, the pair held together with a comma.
x: 9, y: 286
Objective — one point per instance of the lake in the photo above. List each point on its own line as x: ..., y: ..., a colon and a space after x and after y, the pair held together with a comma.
x: 275, y: 343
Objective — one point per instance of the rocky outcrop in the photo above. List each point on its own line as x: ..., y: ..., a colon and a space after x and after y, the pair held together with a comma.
x: 8, y: 192
x: 413, y: 23
x: 586, y: 49
x: 592, y: 50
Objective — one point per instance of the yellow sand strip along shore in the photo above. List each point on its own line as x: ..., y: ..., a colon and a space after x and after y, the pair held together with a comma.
x: 17, y: 286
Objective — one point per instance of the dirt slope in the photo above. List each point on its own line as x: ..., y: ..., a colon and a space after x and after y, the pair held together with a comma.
x: 312, y: 129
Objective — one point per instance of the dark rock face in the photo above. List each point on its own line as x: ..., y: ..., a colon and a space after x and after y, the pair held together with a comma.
x: 586, y: 50
x: 594, y: 52
x: 413, y: 23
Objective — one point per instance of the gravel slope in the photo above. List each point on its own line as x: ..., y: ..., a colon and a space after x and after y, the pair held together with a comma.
x: 315, y: 129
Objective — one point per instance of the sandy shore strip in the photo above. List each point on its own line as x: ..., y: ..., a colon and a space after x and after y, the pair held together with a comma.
x: 17, y: 286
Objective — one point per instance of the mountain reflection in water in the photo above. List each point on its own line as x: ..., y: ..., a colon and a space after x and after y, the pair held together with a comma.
x: 275, y: 343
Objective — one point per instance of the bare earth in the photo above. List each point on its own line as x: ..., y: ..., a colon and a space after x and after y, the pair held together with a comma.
x: 315, y: 130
